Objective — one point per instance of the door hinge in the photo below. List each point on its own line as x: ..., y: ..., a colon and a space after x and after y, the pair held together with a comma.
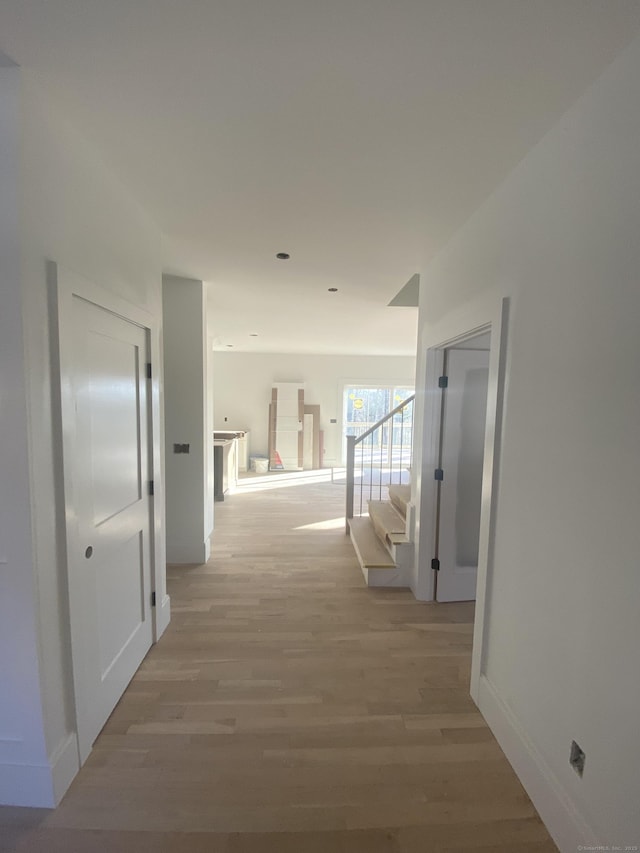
x: 438, y: 474
x: 150, y: 487
x: 443, y: 382
x: 435, y: 564
x: 148, y: 370
x: 153, y: 599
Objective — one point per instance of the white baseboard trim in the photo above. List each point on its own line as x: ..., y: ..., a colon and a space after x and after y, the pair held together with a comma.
x: 27, y: 785
x: 65, y: 763
x: 188, y: 553
x: 40, y: 785
x: 163, y: 617
x: 566, y: 825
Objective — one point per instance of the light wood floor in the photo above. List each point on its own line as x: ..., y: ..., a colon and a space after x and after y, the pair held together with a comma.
x: 290, y: 709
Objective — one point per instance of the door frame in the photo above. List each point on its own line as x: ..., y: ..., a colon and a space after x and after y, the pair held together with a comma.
x: 64, y: 285
x: 490, y: 315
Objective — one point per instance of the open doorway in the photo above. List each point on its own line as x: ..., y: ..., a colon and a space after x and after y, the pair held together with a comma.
x: 488, y: 317
x: 463, y: 409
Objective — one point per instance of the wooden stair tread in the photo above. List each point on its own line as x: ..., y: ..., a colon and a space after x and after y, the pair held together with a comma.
x: 400, y: 496
x: 371, y: 552
x: 386, y: 519
x: 388, y: 523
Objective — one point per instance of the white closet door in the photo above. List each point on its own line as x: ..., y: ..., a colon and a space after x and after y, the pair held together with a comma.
x: 106, y: 473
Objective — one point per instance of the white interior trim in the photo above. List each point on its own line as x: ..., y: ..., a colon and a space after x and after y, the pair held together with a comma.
x: 64, y: 766
x: 187, y: 552
x: 29, y: 785
x: 490, y: 474
x: 163, y: 616
x: 40, y: 785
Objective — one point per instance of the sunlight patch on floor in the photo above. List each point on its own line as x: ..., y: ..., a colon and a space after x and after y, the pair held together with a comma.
x: 329, y: 524
x: 282, y: 479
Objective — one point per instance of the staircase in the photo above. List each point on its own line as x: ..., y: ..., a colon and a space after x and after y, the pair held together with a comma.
x: 376, y: 516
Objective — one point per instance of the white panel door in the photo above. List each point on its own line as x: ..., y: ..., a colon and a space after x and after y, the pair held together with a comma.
x: 463, y: 434
x: 107, y: 469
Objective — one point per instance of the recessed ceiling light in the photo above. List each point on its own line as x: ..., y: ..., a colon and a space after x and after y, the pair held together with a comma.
x: 332, y: 289
x: 283, y: 256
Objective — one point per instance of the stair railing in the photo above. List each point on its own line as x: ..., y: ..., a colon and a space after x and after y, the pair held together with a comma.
x: 379, y: 453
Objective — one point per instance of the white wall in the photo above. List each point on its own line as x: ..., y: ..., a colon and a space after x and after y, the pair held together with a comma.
x: 243, y: 382
x: 560, y: 239
x: 74, y: 211
x: 189, y: 492
x: 22, y: 744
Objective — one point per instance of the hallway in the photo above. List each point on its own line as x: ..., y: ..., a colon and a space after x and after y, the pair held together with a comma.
x: 290, y: 709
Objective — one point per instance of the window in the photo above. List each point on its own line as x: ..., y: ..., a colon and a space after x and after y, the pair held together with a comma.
x: 364, y: 406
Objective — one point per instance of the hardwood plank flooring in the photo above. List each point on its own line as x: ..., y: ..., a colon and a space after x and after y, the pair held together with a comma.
x: 289, y: 708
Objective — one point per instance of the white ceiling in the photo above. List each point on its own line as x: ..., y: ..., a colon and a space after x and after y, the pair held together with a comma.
x: 357, y: 135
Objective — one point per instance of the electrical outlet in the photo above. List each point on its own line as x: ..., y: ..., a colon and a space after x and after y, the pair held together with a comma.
x: 577, y: 758
x: 180, y: 448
